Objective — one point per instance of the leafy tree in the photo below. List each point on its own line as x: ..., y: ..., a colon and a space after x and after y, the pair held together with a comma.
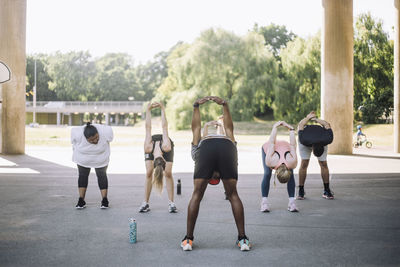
x: 276, y: 37
x: 43, y: 93
x: 223, y: 64
x: 373, y: 70
x: 299, y: 90
x: 70, y: 75
x: 114, y: 78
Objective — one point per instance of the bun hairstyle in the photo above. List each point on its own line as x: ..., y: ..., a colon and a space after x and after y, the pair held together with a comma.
x: 90, y: 130
x: 318, y: 150
x: 283, y: 174
x: 158, y: 174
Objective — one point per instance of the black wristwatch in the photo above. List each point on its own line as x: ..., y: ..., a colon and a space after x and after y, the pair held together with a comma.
x: 196, y: 105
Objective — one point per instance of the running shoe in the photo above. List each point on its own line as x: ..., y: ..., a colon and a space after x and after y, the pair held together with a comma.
x: 292, y: 207
x: 328, y: 195
x: 243, y: 244
x: 172, y: 208
x: 264, y: 206
x: 301, y: 194
x: 145, y: 207
x: 81, y: 204
x: 104, y: 203
x: 187, y: 244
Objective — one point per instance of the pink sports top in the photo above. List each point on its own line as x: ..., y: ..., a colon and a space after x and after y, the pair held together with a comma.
x: 282, y: 149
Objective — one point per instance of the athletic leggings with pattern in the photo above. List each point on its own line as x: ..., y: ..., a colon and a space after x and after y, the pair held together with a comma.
x: 291, y: 185
x: 101, y: 174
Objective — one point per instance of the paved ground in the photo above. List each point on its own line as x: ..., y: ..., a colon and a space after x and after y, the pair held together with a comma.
x: 40, y: 227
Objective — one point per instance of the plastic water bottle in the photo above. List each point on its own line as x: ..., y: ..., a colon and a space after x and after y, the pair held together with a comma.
x: 132, y: 230
x: 178, y: 187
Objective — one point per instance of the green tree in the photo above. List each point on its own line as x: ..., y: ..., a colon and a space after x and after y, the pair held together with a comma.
x: 373, y: 70
x: 220, y: 63
x: 43, y: 93
x: 276, y: 37
x: 299, y: 90
x: 70, y: 75
x: 114, y: 78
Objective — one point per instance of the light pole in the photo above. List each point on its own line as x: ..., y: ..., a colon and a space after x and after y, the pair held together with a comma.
x: 34, y: 98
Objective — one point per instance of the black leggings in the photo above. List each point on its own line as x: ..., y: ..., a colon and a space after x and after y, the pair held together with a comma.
x: 100, y: 173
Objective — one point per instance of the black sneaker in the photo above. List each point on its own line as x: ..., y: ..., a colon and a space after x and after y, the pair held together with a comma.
x: 328, y: 195
x: 301, y: 194
x: 104, y: 203
x: 81, y: 204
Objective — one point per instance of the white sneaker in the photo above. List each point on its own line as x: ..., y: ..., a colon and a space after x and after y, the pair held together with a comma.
x: 145, y: 207
x: 292, y: 207
x: 264, y: 206
x: 172, y: 208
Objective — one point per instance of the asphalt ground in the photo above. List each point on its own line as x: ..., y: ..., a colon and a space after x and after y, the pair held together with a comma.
x: 41, y: 227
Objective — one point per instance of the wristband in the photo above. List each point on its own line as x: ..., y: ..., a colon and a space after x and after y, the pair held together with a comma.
x: 196, y: 105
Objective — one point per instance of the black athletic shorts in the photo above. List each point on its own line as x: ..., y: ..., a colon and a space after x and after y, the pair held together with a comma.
x: 168, y: 156
x: 216, y: 154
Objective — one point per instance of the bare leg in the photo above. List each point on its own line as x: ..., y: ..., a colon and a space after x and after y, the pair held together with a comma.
x: 169, y: 181
x: 236, y: 203
x: 82, y: 192
x: 303, y: 171
x: 148, y: 182
x: 200, y: 186
x: 324, y: 171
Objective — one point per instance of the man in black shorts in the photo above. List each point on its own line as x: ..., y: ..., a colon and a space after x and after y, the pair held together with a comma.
x: 215, y: 158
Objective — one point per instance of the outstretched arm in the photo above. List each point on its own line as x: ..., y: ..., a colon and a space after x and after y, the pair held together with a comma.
x: 304, y: 121
x: 196, y: 120
x: 227, y: 118
x: 325, y: 124
x: 148, y: 146
x: 166, y: 144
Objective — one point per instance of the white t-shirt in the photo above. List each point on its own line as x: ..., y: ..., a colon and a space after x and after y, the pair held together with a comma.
x: 91, y: 155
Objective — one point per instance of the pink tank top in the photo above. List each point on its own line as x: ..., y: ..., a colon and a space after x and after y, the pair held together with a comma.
x: 281, y: 147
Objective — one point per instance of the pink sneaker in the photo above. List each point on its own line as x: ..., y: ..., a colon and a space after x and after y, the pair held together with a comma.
x: 264, y: 206
x: 292, y: 207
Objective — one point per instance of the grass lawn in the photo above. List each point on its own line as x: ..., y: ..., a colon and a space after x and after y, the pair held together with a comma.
x: 247, y: 133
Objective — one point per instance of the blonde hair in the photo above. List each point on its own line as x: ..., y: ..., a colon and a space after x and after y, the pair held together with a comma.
x: 283, y: 173
x: 158, y: 174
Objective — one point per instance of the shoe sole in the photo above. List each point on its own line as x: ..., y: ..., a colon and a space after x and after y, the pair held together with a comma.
x: 103, y: 207
x: 187, y: 247
x: 265, y: 211
x: 326, y: 197
x: 245, y: 248
x: 80, y: 208
x: 173, y: 211
x: 144, y: 211
x: 293, y: 210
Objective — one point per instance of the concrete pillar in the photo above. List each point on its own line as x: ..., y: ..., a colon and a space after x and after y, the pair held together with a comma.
x: 58, y: 118
x: 337, y: 72
x: 70, y: 119
x: 117, y: 119
x: 396, y: 100
x: 107, y: 118
x: 12, y: 53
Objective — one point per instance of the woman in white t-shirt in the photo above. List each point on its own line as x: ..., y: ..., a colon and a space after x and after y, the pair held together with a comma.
x: 91, y: 149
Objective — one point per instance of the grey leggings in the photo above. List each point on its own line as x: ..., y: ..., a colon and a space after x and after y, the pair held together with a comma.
x: 101, y: 174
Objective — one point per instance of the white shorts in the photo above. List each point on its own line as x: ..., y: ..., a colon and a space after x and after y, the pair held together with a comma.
x: 305, y: 152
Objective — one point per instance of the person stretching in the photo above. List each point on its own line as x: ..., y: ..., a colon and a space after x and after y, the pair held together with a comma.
x: 314, y: 138
x: 91, y: 149
x: 215, y: 156
x: 280, y: 156
x: 159, y: 156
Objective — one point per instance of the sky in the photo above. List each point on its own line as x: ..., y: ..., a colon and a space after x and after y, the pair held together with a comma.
x: 142, y: 28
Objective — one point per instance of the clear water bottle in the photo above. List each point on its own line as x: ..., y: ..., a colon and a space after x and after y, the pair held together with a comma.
x: 178, y: 187
x: 132, y: 230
